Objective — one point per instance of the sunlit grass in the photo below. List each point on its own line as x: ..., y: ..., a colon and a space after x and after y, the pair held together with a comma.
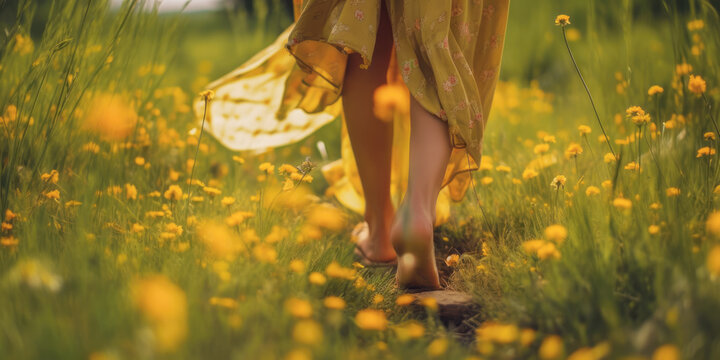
x: 127, y: 234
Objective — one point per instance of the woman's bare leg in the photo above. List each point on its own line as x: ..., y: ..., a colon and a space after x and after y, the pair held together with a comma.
x: 371, y: 140
x: 412, y: 231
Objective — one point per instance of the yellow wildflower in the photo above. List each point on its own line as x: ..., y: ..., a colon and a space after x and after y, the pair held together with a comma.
x: 637, y: 115
x: 584, y: 130
x: 653, y: 229
x: 437, y: 347
x: 54, y: 194
x: 51, y: 177
x: 672, y: 191
x: 562, y: 20
x: 164, y: 304
x: 227, y: 200
x: 622, y: 203
x: 265, y: 253
x: 307, y: 332
x: 173, y: 193
x: 712, y: 224
x: 334, y: 302
x: 709, y: 136
x: 697, y: 85
x: 267, y: 167
x: 556, y: 233
x: 558, y: 182
x: 633, y: 166
x: 666, y: 352
x: 529, y: 174
x: 297, y: 266
x: 573, y: 150
x: 592, y: 190
x: 317, y: 278
x: 371, y: 319
x: 130, y: 192
x: 705, y: 151
x: 551, y: 347
x: 548, y: 251
x: 713, y: 261
x: 655, y: 89
x: 298, y: 308
x: 211, y: 191
x: 452, y: 260
x: 541, y: 148
x: 405, y: 299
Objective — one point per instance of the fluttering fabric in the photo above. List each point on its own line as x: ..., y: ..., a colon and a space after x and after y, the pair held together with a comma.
x: 447, y: 55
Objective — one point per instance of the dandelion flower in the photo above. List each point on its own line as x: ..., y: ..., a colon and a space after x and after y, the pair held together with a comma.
x: 529, y: 174
x: 265, y: 253
x: 334, y: 302
x: 51, y: 177
x: 452, y: 260
x: 371, y: 319
x: 212, y: 191
x: 503, y: 168
x: 584, y: 130
x: 622, y: 203
x: 558, y: 182
x: 334, y: 270
x: 207, y: 95
x: 609, y: 157
x: 713, y: 261
x: 705, y: 151
x: 227, y: 200
x: 633, y: 166
x: 298, y: 308
x: 409, y: 330
x: 541, y: 148
x: 655, y: 89
x: 297, y: 266
x: 267, y: 167
x: 712, y: 225
x: 111, y: 117
x: 637, y: 115
x: 697, y: 85
x: 317, y: 278
x: 327, y: 216
x: 173, y: 193
x: 405, y: 299
x: 592, y: 190
x: 710, y: 136
x: 653, y: 229
x: 438, y: 347
x: 556, y: 233
x: 307, y: 332
x: 562, y: 20
x: 672, y: 191
x: 666, y: 352
x: 573, y: 150
x: 54, y: 194
x: 130, y: 192
x: 551, y: 347
x: 164, y: 304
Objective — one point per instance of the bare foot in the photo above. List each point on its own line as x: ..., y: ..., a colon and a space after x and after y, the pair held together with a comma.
x: 412, y: 237
x: 374, y: 245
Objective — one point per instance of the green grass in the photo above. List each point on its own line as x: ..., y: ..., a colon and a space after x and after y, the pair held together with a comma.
x: 81, y: 283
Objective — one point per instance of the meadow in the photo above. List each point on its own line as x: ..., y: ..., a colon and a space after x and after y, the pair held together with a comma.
x: 128, y: 233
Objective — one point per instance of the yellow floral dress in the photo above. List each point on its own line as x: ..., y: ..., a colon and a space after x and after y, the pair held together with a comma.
x: 447, y: 53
